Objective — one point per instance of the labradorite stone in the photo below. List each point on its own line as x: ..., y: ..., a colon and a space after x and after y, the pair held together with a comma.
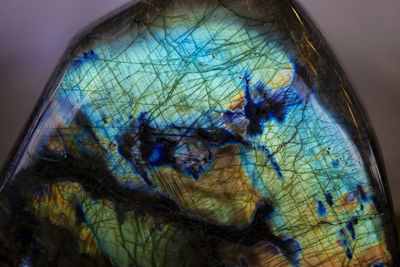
x: 197, y: 133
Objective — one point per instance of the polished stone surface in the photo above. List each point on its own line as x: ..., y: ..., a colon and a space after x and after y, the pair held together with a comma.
x: 198, y: 133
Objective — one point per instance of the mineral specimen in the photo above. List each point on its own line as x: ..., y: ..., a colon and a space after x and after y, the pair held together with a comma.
x: 197, y: 133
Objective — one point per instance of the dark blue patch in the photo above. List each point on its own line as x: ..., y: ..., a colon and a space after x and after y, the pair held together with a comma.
x: 341, y: 231
x: 77, y: 62
x: 329, y: 199
x: 271, y: 104
x: 268, y: 216
x: 349, y: 254
x: 335, y: 163
x: 295, y: 249
x: 345, y: 242
x: 361, y: 207
x: 156, y: 156
x: 321, y: 209
x: 89, y: 55
x: 379, y: 265
x: 195, y: 175
x: 293, y: 245
x: 79, y: 213
x: 350, y: 228
x: 350, y: 197
x: 273, y: 161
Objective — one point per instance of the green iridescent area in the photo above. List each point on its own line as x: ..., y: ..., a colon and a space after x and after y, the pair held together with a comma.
x: 198, y: 133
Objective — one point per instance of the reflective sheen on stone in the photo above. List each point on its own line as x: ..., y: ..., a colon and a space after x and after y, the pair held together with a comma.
x: 197, y: 133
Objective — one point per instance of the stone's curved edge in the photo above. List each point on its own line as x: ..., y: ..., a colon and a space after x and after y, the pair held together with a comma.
x: 80, y: 39
x: 9, y: 165
x: 374, y: 157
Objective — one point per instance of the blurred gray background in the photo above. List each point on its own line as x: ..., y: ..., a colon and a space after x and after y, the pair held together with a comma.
x: 364, y: 34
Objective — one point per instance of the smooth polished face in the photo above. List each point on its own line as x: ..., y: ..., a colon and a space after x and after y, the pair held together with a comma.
x: 198, y: 133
